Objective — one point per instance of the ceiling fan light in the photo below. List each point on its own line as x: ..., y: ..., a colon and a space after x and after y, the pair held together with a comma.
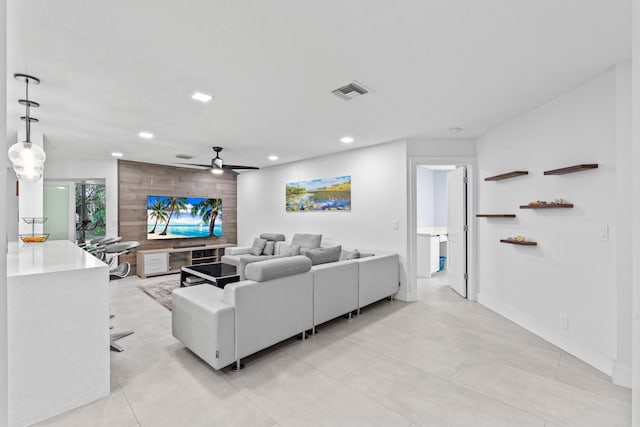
x: 216, y: 171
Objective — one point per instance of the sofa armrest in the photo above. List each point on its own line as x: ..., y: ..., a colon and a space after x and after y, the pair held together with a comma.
x: 204, y: 323
x: 237, y: 250
x: 379, y: 277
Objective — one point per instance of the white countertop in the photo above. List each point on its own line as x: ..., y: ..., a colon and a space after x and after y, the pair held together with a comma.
x: 25, y: 259
x: 432, y: 231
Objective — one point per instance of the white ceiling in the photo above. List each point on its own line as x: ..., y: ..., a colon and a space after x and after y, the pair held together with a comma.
x: 110, y: 69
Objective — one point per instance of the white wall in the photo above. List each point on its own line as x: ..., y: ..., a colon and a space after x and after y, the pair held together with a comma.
x: 572, y: 272
x: 635, y: 196
x: 440, y: 202
x: 624, y: 260
x: 378, y: 198
x: 74, y: 169
x: 431, y: 188
x: 425, y: 197
x: 11, y: 208
x: 3, y: 232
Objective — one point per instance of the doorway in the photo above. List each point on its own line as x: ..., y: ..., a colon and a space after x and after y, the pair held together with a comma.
x: 75, y: 209
x: 440, y: 228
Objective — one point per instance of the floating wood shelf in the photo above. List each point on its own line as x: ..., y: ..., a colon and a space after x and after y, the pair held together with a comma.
x: 571, y: 169
x: 515, y: 242
x: 506, y: 175
x: 548, y: 206
x: 496, y: 215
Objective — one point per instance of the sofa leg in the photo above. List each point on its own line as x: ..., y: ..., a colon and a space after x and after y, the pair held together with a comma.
x: 350, y: 315
x: 304, y: 335
x: 238, y: 366
x: 313, y: 331
x: 358, y: 312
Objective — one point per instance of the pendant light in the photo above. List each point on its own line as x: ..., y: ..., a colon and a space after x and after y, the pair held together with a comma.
x: 27, y: 158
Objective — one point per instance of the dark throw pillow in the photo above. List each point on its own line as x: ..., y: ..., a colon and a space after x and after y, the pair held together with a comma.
x: 269, y: 247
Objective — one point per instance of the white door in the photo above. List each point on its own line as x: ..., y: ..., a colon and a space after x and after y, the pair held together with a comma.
x: 456, y: 229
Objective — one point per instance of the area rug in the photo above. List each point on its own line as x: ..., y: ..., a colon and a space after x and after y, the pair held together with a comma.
x: 161, y: 292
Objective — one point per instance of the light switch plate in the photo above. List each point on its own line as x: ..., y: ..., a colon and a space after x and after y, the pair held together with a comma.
x: 603, y: 234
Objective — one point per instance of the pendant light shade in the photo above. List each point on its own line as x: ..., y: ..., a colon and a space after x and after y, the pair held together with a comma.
x: 27, y: 158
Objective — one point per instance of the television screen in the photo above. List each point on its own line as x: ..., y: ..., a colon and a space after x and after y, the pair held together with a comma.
x: 183, y: 217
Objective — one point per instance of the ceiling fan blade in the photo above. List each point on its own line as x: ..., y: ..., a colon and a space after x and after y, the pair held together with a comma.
x: 239, y: 167
x: 195, y: 164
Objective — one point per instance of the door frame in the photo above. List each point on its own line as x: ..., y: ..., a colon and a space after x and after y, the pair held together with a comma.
x: 412, y: 229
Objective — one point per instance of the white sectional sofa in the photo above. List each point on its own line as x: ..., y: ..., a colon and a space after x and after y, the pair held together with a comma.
x: 279, y: 298
x: 224, y: 325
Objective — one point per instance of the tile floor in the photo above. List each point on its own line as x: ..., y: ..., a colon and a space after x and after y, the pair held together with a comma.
x: 441, y: 361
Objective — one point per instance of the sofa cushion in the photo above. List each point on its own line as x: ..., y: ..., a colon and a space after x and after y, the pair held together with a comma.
x: 286, y: 249
x: 293, y: 250
x: 346, y: 254
x: 276, y: 237
x: 257, y: 247
x: 269, y: 247
x: 276, y: 268
x: 324, y: 255
x: 306, y: 241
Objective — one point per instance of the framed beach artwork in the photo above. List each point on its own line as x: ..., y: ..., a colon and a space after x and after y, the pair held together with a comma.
x: 324, y: 194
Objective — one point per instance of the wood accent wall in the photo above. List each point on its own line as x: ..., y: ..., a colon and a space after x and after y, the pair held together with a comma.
x: 137, y: 180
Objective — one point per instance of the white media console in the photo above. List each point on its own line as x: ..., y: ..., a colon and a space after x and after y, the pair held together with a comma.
x: 155, y: 262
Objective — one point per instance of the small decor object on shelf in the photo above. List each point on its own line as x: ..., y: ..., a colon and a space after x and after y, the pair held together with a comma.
x: 519, y: 238
x: 33, y: 237
x: 541, y: 204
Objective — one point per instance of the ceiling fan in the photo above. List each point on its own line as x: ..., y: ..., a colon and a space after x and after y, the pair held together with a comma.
x: 217, y: 166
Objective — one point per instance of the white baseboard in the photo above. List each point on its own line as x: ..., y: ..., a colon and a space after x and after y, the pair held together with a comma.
x: 621, y: 375
x: 597, y: 360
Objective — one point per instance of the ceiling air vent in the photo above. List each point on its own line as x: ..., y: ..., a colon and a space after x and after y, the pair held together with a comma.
x: 184, y: 156
x: 350, y: 91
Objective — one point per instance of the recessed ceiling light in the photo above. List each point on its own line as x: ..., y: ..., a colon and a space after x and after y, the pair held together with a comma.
x: 347, y: 139
x: 273, y: 157
x: 202, y: 97
x: 454, y: 130
x: 117, y: 154
x: 145, y: 135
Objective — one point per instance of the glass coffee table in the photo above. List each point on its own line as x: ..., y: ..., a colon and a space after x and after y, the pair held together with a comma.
x: 215, y: 273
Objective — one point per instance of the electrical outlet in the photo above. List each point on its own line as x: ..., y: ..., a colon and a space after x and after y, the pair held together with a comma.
x: 565, y: 321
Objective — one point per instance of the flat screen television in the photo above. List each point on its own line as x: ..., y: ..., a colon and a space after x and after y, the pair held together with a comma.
x: 171, y: 217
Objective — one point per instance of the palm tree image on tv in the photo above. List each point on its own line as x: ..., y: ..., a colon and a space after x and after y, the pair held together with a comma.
x: 158, y: 212
x: 175, y: 205
x: 208, y: 209
x: 183, y: 217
